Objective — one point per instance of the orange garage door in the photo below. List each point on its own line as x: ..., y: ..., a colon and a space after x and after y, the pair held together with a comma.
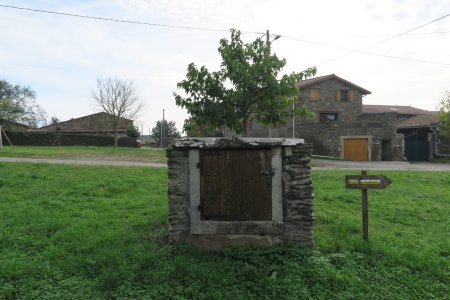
x: 356, y: 149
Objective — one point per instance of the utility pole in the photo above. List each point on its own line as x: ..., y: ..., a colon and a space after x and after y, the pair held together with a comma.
x: 162, y: 130
x: 1, y: 142
x: 293, y: 120
x: 269, y: 130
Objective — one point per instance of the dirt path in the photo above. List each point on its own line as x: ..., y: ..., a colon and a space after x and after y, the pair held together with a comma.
x: 83, y: 162
x: 319, y: 164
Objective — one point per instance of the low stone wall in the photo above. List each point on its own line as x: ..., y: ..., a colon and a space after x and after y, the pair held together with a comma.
x: 297, y: 218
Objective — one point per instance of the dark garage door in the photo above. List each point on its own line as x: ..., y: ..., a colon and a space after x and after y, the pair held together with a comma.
x: 417, y: 147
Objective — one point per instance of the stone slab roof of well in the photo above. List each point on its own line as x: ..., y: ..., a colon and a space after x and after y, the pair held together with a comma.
x: 316, y: 80
x: 401, y: 110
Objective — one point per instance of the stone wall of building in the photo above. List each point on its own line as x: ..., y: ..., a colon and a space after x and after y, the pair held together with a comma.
x: 297, y: 197
x: 349, y: 111
x: 326, y: 137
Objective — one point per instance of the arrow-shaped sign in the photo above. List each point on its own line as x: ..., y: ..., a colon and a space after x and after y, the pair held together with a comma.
x: 366, y: 181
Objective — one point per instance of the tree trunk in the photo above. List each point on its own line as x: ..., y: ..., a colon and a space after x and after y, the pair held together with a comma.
x: 115, y: 138
x: 245, y: 127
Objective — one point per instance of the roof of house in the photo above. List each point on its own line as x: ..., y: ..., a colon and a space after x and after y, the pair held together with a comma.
x: 90, y: 123
x: 424, y: 120
x: 313, y: 81
x: 401, y: 110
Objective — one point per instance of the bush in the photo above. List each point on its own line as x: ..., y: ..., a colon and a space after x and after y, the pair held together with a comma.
x: 133, y: 132
x: 50, y: 139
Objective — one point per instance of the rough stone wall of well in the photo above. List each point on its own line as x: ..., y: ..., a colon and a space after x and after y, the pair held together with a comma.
x: 178, y: 194
x: 298, y: 196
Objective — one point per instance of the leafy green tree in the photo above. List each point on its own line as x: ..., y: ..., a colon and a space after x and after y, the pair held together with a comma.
x: 192, y: 129
x: 18, y: 104
x: 133, y: 132
x: 169, y: 131
x: 246, y: 87
x: 444, y: 114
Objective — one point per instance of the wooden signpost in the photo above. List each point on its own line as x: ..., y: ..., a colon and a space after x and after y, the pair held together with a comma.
x: 365, y: 182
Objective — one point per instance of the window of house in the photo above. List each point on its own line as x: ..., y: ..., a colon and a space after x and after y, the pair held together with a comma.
x: 344, y: 95
x: 315, y: 94
x: 328, y: 117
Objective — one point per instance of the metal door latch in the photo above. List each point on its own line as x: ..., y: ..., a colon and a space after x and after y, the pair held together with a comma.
x: 268, y: 172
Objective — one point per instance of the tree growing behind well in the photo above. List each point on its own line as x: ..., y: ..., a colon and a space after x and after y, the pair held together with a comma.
x: 18, y: 104
x: 169, y: 131
x: 444, y: 114
x: 118, y: 99
x: 247, y: 86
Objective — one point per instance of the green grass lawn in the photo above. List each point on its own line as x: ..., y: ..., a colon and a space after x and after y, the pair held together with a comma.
x: 86, y: 153
x: 79, y: 232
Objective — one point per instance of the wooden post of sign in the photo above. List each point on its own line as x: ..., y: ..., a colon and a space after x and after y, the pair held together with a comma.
x: 365, y: 182
x: 365, y: 211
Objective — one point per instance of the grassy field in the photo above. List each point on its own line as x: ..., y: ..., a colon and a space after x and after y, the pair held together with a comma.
x: 86, y: 153
x: 77, y: 232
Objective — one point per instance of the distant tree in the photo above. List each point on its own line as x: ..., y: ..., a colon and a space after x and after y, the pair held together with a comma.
x: 118, y: 98
x: 192, y: 129
x: 18, y: 104
x: 246, y: 87
x: 54, y: 120
x: 169, y: 131
x: 133, y: 132
x: 444, y: 114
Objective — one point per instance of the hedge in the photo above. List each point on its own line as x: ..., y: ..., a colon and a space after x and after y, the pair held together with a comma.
x: 50, y: 139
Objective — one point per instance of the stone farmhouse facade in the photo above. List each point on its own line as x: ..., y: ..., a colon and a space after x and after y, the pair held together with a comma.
x: 340, y: 127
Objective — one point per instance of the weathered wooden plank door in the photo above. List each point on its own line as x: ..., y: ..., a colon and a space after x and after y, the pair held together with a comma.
x: 236, y: 185
x: 356, y: 149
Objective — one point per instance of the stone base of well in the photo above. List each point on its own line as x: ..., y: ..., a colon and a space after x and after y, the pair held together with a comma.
x: 289, y: 214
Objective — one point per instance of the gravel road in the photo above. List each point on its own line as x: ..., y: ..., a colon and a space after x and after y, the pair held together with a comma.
x: 319, y: 164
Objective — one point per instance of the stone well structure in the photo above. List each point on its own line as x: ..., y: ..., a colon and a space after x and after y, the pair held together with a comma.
x: 234, y: 191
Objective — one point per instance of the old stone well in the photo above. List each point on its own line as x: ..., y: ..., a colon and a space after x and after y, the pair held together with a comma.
x: 235, y: 191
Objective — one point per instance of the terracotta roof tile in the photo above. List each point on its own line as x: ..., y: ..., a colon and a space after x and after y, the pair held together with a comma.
x: 402, y: 110
x: 423, y: 120
x: 313, y: 81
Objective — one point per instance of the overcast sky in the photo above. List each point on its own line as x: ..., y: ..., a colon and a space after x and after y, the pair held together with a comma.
x: 61, y: 57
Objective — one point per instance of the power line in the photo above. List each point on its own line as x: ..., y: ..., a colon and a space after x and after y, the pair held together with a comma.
x: 363, y: 52
x: 122, y: 20
x: 250, y: 32
x: 408, y: 31
x: 344, y: 36
x: 388, y: 39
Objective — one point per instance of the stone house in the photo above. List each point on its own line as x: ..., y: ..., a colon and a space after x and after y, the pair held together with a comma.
x: 340, y: 127
x: 97, y: 123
